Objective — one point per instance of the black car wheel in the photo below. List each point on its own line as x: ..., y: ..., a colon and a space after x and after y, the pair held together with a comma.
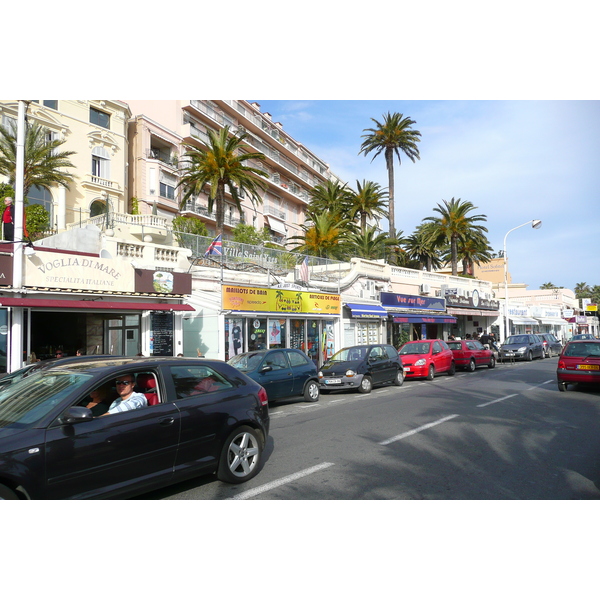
x: 311, y: 391
x: 452, y: 370
x: 399, y: 379
x: 240, y: 456
x: 366, y: 385
x: 530, y: 356
x: 431, y: 373
x: 471, y: 366
x: 492, y: 362
x: 7, y: 494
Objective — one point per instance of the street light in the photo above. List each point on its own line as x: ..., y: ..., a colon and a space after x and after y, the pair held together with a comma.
x: 536, y: 224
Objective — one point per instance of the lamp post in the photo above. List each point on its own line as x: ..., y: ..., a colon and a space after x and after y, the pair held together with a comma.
x: 536, y: 224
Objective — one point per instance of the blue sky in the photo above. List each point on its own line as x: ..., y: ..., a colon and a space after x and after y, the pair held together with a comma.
x: 514, y: 160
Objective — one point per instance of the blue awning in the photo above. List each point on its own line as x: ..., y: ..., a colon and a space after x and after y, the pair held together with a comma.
x: 420, y: 318
x: 367, y: 311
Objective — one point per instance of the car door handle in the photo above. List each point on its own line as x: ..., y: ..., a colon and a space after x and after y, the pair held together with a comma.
x: 166, y: 421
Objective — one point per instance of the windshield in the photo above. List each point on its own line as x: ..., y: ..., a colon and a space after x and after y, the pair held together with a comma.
x: 246, y: 362
x: 348, y: 354
x: 417, y: 348
x: 583, y: 350
x: 517, y: 339
x: 32, y: 398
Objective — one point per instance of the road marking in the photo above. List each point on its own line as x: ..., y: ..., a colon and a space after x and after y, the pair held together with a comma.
x: 413, y: 431
x: 279, y: 482
x: 540, y: 385
x: 497, y: 400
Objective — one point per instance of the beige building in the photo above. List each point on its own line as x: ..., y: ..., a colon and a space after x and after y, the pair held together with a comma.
x: 96, y: 130
x: 159, y: 131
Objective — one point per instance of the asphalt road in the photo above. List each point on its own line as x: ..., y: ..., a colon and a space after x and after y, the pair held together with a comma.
x: 503, y: 433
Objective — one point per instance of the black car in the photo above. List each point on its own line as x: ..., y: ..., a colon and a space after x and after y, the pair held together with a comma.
x: 283, y: 372
x: 551, y: 344
x: 203, y: 416
x: 361, y: 368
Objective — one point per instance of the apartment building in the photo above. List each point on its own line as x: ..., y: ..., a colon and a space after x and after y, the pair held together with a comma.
x: 96, y: 130
x: 159, y: 132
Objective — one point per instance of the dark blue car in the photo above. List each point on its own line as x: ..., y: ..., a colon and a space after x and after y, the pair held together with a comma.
x: 283, y: 372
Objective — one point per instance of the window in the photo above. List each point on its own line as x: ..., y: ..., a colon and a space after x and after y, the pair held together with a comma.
x: 192, y: 381
x: 297, y: 359
x: 100, y: 163
x: 97, y: 117
x: 40, y: 195
x: 167, y: 191
x: 277, y: 361
x: 51, y: 104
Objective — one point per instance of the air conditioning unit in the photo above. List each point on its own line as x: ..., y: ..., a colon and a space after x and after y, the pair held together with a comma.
x: 367, y: 294
x: 425, y: 288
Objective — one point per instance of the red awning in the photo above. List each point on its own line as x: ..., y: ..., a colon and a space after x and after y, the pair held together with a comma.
x: 91, y: 304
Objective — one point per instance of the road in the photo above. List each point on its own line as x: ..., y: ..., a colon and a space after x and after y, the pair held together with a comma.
x: 503, y: 433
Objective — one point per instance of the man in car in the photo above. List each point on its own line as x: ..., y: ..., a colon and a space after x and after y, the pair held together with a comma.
x: 128, y: 399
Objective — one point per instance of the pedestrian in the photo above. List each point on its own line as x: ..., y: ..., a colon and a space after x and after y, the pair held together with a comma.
x: 59, y: 354
x: 8, y: 220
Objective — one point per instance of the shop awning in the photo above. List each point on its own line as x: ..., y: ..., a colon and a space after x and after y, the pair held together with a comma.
x: 523, y: 320
x: 551, y: 321
x: 367, y: 311
x: 91, y: 304
x: 473, y: 312
x: 421, y: 318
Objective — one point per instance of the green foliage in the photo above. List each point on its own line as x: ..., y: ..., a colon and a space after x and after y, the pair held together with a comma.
x: 6, y: 191
x: 37, y: 221
x: 189, y: 225
x: 247, y: 234
x: 135, y: 206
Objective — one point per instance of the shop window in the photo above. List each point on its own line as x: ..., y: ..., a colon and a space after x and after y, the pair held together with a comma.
x: 297, y: 339
x: 257, y: 334
x: 234, y: 337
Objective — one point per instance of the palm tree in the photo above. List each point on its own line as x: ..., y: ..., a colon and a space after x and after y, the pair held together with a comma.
x: 325, y: 235
x: 367, y: 202
x: 218, y: 165
x: 370, y: 244
x: 420, y: 249
x: 43, y: 162
x: 582, y: 290
x: 392, y: 136
x: 549, y: 286
x: 331, y: 196
x: 474, y: 249
x: 453, y: 225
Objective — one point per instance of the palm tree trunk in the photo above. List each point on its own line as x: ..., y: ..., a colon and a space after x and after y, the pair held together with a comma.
x: 389, y: 161
x: 454, y: 255
x: 220, y: 212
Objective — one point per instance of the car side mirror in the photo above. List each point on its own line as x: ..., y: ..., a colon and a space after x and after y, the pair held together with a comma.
x: 75, y: 414
x: 266, y: 369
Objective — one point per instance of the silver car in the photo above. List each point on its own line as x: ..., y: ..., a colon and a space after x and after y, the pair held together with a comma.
x: 525, y: 346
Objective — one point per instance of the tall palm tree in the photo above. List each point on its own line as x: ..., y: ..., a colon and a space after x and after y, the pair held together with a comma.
x: 43, y: 162
x: 331, y: 196
x: 453, y: 225
x: 218, y: 165
x: 391, y: 137
x: 582, y: 290
x: 370, y: 244
x: 369, y: 201
x: 420, y: 248
x: 325, y: 235
x: 549, y: 286
x: 474, y: 249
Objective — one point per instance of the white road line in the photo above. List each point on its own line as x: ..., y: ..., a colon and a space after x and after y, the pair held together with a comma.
x: 279, y: 482
x: 413, y: 431
x: 540, y: 385
x: 497, y: 400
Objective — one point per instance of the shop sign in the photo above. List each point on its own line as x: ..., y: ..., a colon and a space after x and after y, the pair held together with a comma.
x: 148, y: 281
x: 407, y: 301
x: 251, y: 299
x: 473, y: 301
x: 568, y: 313
x: 6, y: 270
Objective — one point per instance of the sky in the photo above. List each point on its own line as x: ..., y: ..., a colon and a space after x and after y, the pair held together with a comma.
x: 515, y: 161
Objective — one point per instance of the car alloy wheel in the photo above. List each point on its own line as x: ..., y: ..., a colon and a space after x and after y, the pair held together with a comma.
x: 366, y: 385
x: 431, y: 373
x: 311, y: 391
x: 240, y: 456
x: 471, y: 366
x: 399, y: 379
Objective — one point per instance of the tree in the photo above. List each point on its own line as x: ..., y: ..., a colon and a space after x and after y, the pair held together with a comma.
x: 43, y: 162
x: 222, y: 163
x: 247, y: 234
x: 420, y: 248
x: 325, y: 235
x: 474, y: 249
x: 370, y: 244
x: 392, y: 137
x: 37, y: 221
x: 549, y: 286
x: 367, y: 202
x: 582, y: 290
x: 454, y: 225
x: 332, y: 196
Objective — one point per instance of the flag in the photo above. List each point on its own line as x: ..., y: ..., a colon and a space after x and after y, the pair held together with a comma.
x: 304, y: 270
x: 215, y: 247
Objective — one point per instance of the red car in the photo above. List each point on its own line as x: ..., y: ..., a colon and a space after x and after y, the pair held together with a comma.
x: 579, y: 362
x: 427, y: 358
x: 470, y: 354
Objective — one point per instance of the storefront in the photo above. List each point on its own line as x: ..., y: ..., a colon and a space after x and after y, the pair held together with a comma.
x: 474, y: 314
x: 73, y: 301
x: 549, y: 321
x: 520, y: 320
x: 259, y: 318
x: 416, y: 318
x: 364, y: 324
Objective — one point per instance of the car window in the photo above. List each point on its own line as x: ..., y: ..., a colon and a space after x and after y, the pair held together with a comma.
x: 455, y: 345
x: 192, y: 381
x: 436, y: 347
x: 582, y: 350
x: 478, y: 345
x: 444, y: 345
x: 297, y: 359
x: 276, y: 360
x: 471, y: 345
x: 376, y: 353
x: 391, y: 352
x: 247, y: 362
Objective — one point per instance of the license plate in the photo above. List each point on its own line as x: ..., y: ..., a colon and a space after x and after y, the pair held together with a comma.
x: 509, y: 354
x: 332, y: 381
x: 407, y: 369
x: 589, y: 367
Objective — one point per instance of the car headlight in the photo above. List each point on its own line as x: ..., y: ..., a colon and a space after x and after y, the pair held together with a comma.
x: 350, y: 373
x: 420, y: 362
x: 522, y: 349
x: 320, y: 374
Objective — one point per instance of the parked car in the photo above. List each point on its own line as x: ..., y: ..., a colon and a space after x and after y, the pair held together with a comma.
x: 524, y: 346
x: 427, y: 358
x: 361, y: 368
x: 470, y: 354
x: 283, y: 372
x: 203, y: 416
x: 579, y: 362
x: 551, y: 344
x: 582, y: 336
